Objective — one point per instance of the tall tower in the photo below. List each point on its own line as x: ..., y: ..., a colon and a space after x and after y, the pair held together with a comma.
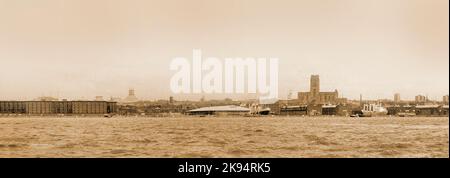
x: 131, y: 92
x: 397, y: 97
x: 171, y: 100
x: 315, y: 85
x: 360, y: 100
x: 131, y: 96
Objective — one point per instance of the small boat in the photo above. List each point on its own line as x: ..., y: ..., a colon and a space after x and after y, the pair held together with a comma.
x: 357, y: 113
x: 265, y: 111
x: 406, y: 114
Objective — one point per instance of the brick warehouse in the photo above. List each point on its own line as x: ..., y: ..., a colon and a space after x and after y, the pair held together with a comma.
x: 57, y: 107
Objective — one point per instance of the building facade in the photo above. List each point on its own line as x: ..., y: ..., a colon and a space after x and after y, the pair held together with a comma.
x: 397, y: 97
x: 57, y: 107
x: 420, y: 99
x: 445, y: 99
x: 131, y: 97
x: 315, y: 96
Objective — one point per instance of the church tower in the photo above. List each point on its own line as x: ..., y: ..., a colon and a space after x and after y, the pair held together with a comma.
x: 314, y: 85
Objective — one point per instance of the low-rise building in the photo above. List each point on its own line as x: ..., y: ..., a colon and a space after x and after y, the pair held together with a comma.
x: 57, y: 107
x: 329, y: 109
x: 220, y: 110
x: 428, y: 110
x: 294, y: 110
x: 444, y: 111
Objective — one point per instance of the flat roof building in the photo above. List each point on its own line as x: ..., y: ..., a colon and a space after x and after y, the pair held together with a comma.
x: 57, y: 107
x: 220, y: 110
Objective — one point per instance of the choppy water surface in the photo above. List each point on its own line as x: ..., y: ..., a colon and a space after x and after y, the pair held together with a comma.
x: 224, y: 137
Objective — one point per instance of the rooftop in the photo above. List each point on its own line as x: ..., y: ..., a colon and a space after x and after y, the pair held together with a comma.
x: 427, y: 106
x: 228, y: 108
x: 329, y: 106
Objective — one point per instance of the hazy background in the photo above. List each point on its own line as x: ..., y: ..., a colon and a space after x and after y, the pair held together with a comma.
x: 83, y: 48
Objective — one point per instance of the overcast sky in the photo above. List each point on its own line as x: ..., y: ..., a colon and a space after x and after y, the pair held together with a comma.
x: 84, y: 48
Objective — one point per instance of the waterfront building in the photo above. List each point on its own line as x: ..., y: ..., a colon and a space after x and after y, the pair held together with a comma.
x: 57, y: 107
x: 220, y: 110
x: 428, y: 110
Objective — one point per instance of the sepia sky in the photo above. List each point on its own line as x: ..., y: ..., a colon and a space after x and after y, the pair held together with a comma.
x: 78, y: 49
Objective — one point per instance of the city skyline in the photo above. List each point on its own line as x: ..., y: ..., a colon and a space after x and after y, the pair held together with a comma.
x: 201, y: 97
x: 82, y: 49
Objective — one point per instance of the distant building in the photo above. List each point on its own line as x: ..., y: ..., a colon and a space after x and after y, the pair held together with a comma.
x: 401, y: 110
x: 445, y: 99
x: 46, y: 98
x: 115, y: 99
x: 57, y: 107
x: 315, y: 96
x: 171, y: 100
x: 131, y: 97
x: 314, y: 109
x: 444, y: 111
x: 397, y: 97
x: 99, y: 98
x: 329, y: 109
x: 220, y: 110
x: 420, y: 99
x: 293, y: 110
x: 313, y: 102
x: 428, y: 110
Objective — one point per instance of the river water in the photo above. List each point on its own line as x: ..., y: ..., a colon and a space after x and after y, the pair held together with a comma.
x: 224, y: 137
